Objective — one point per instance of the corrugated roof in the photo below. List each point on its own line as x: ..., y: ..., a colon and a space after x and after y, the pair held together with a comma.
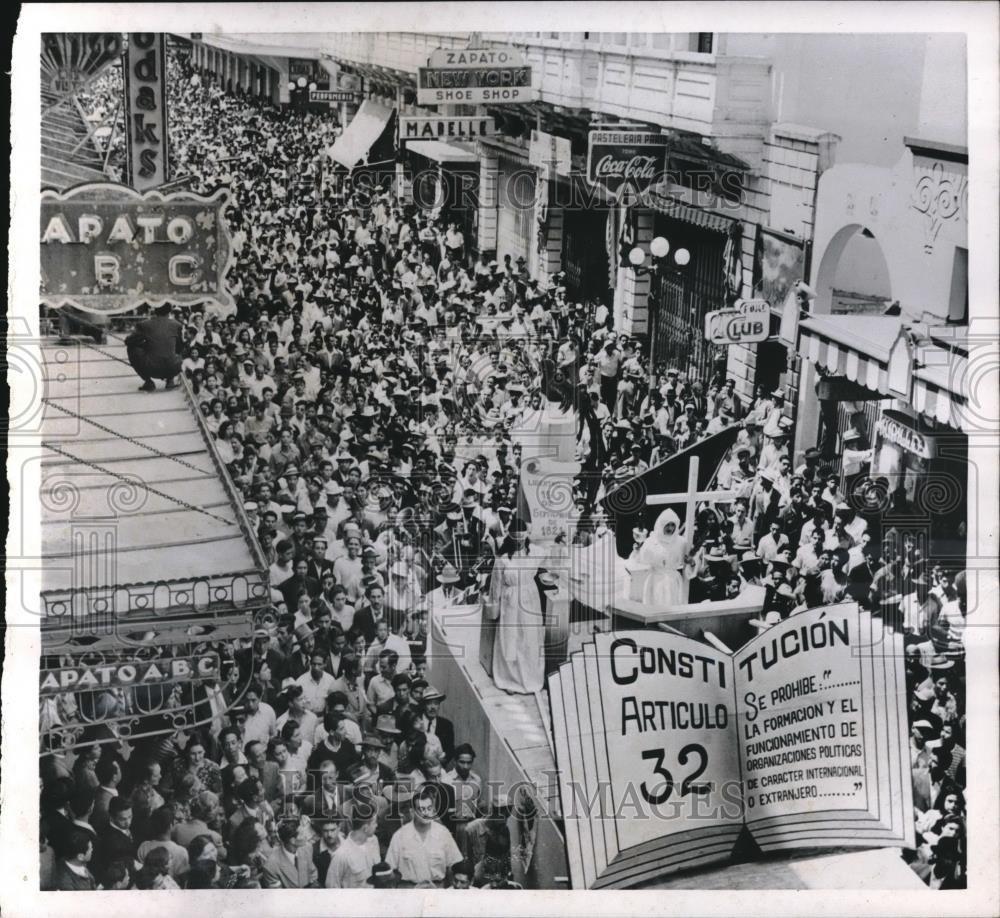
x: 130, y: 483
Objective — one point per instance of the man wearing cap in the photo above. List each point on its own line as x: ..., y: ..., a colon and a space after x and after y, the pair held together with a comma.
x: 423, y: 851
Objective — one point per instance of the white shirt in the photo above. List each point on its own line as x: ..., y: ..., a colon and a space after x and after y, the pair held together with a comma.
x: 314, y: 692
x: 262, y: 726
x: 422, y: 858
x: 351, y: 864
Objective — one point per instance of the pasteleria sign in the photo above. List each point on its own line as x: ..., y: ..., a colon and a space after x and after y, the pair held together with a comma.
x: 123, y: 674
x: 747, y: 322
x: 106, y: 248
x: 465, y: 127
x: 618, y: 156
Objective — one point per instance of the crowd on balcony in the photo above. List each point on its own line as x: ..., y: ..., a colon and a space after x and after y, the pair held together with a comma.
x: 362, y: 397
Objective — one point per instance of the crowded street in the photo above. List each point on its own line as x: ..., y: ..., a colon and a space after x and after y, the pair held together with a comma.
x: 378, y: 402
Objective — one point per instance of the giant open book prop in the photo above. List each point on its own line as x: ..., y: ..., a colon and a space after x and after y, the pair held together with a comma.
x: 673, y: 754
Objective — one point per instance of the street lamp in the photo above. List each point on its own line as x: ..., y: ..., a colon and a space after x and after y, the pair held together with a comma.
x: 659, y: 248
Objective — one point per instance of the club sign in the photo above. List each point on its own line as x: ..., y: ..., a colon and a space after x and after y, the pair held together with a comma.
x: 747, y: 323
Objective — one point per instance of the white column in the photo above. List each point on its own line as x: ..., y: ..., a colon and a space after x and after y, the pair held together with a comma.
x: 631, y: 290
x: 489, y: 175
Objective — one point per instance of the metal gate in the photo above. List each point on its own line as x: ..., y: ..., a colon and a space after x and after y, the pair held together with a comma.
x: 678, y: 306
x: 681, y: 297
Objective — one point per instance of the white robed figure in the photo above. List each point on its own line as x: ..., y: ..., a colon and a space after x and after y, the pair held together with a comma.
x: 518, y: 653
x: 665, y: 554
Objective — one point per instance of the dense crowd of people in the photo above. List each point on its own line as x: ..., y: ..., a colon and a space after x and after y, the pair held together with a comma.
x: 362, y: 398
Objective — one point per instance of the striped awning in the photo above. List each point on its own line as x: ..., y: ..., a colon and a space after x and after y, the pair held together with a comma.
x: 938, y: 389
x: 673, y: 207
x: 856, y: 347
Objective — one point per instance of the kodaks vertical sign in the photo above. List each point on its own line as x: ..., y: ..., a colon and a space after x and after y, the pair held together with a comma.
x: 145, y: 70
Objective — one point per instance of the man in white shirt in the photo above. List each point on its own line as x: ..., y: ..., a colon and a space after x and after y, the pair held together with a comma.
x: 423, y: 851
x: 316, y: 684
x: 772, y: 544
x: 357, y: 854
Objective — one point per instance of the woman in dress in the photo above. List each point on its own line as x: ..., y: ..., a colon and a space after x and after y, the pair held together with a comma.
x: 665, y: 553
x: 518, y: 662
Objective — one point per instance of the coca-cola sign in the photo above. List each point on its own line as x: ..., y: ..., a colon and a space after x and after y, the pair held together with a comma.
x: 636, y: 157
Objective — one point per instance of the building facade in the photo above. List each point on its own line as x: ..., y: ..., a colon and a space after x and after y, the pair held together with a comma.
x: 747, y: 147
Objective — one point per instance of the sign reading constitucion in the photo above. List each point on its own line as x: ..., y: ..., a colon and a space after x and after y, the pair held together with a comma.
x: 106, y: 248
x: 798, y: 738
x: 616, y: 157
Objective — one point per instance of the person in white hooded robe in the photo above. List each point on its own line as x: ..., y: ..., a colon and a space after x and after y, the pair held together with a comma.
x: 665, y: 553
x: 516, y: 605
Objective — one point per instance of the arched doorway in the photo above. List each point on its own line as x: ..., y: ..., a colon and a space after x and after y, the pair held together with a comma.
x: 853, y: 277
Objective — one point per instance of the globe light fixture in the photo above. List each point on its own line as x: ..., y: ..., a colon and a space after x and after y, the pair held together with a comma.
x: 301, y: 82
x: 659, y: 247
x: 682, y: 257
x: 637, y: 256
